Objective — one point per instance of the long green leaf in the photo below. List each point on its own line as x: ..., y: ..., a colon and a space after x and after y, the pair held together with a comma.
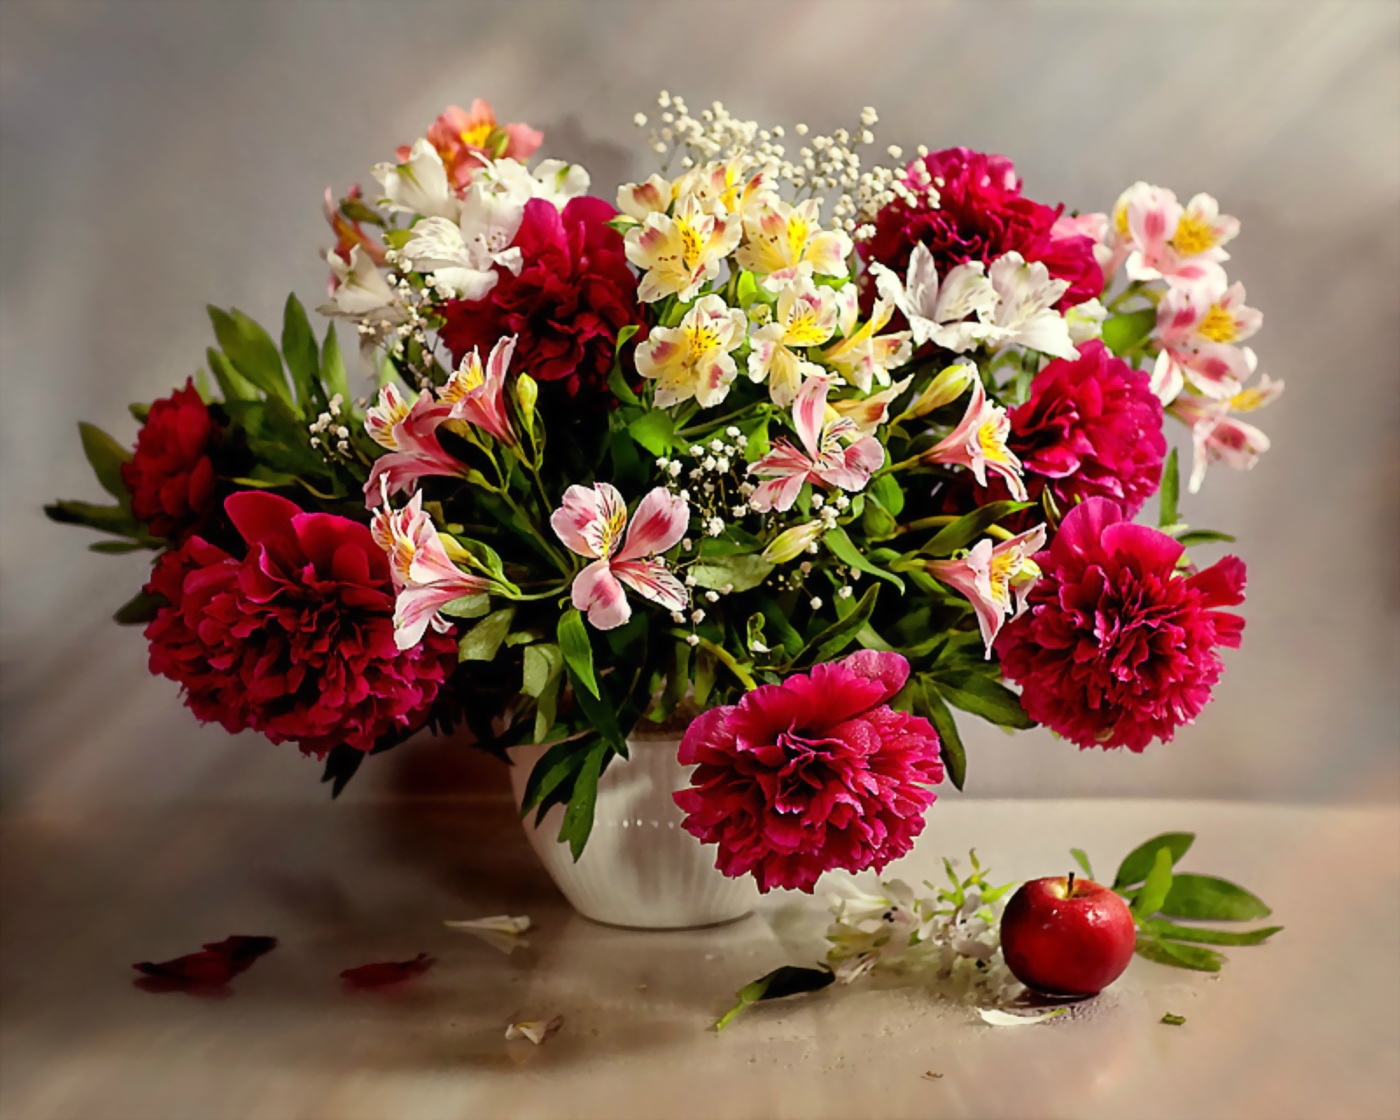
x: 1081, y: 857
x: 950, y: 742
x: 1122, y: 332
x: 562, y: 761
x: 139, y: 609
x: 1168, y: 496
x: 787, y: 980
x: 1204, y: 897
x: 333, y: 374
x: 1159, y: 883
x: 299, y: 349
x: 106, y: 456
x: 251, y: 351
x: 577, y: 650
x: 969, y: 527
x: 1179, y: 955
x: 840, y: 544
x: 543, y: 662
x: 1204, y: 536
x: 841, y: 633
x: 483, y: 641
x: 1170, y: 931
x: 983, y: 697
x: 1137, y: 863
x: 578, y: 817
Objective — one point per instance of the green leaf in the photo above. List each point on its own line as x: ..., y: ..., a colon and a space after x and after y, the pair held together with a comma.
x: 140, y: 412
x: 841, y: 633
x: 887, y: 492
x: 468, y: 606
x: 578, y: 817
x: 1122, y: 332
x: 553, y: 769
x: 1082, y: 858
x: 746, y: 290
x: 1207, y: 898
x: 840, y: 544
x: 139, y: 609
x: 1204, y: 536
x: 117, y: 548
x: 616, y: 381
x: 1170, y: 931
x: 744, y: 572
x: 1173, y: 1020
x: 1178, y: 955
x: 577, y: 650
x: 789, y: 980
x: 653, y: 430
x: 483, y: 640
x: 1159, y: 882
x: 232, y: 384
x: 983, y: 697
x: 547, y: 707
x: 106, y: 519
x: 333, y: 374
x: 1137, y: 863
x: 252, y: 352
x: 299, y: 348
x: 543, y: 663
x: 966, y: 529
x: 106, y: 456
x: 1170, y: 493
x: 950, y: 742
x: 342, y: 763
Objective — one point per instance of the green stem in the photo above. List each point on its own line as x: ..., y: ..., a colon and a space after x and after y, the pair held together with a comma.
x: 725, y: 658
x: 927, y: 523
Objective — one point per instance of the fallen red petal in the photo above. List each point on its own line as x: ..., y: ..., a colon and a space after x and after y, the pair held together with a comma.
x: 383, y: 973
x: 207, y: 971
x: 242, y: 950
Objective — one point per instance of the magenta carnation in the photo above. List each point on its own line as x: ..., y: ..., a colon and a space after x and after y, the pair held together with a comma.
x: 981, y: 215
x: 574, y: 293
x: 295, y: 639
x: 171, y: 476
x: 1117, y: 647
x: 812, y: 774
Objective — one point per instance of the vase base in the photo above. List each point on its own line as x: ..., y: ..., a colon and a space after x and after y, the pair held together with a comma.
x: 665, y: 928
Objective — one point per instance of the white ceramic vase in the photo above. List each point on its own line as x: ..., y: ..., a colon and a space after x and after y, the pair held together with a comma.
x: 640, y: 868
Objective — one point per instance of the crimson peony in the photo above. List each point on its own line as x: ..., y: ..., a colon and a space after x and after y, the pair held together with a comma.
x: 812, y: 774
x: 171, y: 476
x: 1117, y: 647
x: 575, y: 291
x: 296, y: 638
x: 981, y: 215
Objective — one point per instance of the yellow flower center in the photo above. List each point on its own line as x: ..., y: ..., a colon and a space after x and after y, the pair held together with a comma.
x: 478, y: 134
x: 1000, y: 573
x: 462, y: 382
x: 803, y: 328
x: 798, y: 233
x: 1218, y: 325
x: 692, y: 244
x: 1193, y: 236
x: 990, y: 439
x: 701, y: 338
x: 1120, y: 220
x: 610, y: 530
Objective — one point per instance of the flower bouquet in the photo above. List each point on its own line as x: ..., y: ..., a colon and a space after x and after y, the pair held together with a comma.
x: 790, y: 450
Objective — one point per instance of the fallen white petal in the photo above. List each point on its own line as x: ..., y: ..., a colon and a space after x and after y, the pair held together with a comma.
x: 535, y: 1030
x: 500, y: 923
x: 1002, y: 1019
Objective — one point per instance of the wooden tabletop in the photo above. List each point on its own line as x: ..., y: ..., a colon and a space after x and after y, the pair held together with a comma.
x: 1306, y: 1026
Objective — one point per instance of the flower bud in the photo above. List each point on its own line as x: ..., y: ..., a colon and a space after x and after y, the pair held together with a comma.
x: 527, y: 392
x: 792, y: 543
x: 947, y: 387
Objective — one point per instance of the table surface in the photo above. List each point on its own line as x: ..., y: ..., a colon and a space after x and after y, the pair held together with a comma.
x: 1306, y: 1026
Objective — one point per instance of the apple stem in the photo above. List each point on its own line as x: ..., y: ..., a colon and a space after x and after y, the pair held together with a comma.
x: 1069, y: 887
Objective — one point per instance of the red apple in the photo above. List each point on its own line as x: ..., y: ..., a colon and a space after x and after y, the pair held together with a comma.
x: 1067, y: 936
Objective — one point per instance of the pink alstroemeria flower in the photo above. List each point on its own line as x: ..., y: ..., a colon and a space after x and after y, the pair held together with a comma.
x: 591, y: 523
x: 424, y: 577
x: 408, y: 432
x: 478, y: 396
x: 989, y: 575
x: 1166, y: 239
x: 1217, y: 436
x: 979, y: 444
x: 833, y: 454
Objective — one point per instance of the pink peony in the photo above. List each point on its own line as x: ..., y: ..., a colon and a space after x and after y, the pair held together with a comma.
x: 295, y: 639
x: 573, y: 293
x: 812, y: 774
x: 981, y: 215
x: 171, y: 476
x: 1117, y: 647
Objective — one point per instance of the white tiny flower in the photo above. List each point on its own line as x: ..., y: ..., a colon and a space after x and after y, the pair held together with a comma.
x: 818, y: 500
x: 732, y: 432
x: 722, y: 464
x: 697, y: 616
x: 674, y: 468
x: 816, y: 602
x: 696, y: 450
x: 709, y: 463
x: 712, y: 596
x: 716, y: 444
x: 687, y: 544
x: 640, y: 120
x: 692, y: 639
x: 690, y: 581
x: 677, y: 617
x: 845, y: 591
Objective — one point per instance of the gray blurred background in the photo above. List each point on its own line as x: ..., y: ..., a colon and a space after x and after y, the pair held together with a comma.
x: 158, y: 156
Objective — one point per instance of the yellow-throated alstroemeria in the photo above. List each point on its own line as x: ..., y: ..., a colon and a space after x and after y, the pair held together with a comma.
x: 833, y: 453
x: 477, y: 393
x: 425, y: 579
x: 591, y: 523
x: 408, y: 431
x: 1217, y: 436
x: 868, y: 413
x: 693, y: 359
x: 863, y: 355
x: 990, y: 576
x: 805, y: 316
x: 1162, y: 238
x: 680, y: 253
x: 979, y: 444
x: 783, y: 242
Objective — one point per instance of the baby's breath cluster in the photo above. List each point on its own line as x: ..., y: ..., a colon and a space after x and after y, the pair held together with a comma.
x: 330, y: 436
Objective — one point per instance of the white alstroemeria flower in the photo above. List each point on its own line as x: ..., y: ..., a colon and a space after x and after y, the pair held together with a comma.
x: 361, y: 292
x: 805, y: 316
x: 419, y: 185
x: 1085, y: 321
x: 680, y: 253
x: 694, y: 359
x: 552, y: 179
x: 938, y: 313
x: 783, y: 242
x: 1025, y: 312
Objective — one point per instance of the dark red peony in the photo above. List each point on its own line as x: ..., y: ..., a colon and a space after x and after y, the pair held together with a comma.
x: 574, y: 293
x: 981, y: 215
x: 295, y: 639
x: 1118, y: 647
x: 171, y: 476
x: 812, y: 774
